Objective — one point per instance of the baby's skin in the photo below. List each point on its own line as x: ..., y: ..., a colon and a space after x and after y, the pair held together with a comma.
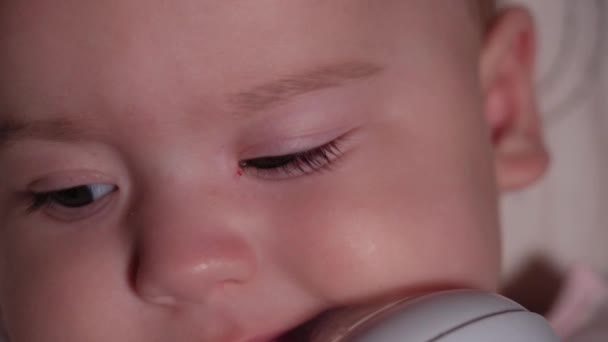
x: 227, y: 171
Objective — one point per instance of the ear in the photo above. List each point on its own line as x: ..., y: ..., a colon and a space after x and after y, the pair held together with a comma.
x: 507, y: 72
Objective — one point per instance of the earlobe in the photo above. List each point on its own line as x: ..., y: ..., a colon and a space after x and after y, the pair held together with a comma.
x: 507, y: 71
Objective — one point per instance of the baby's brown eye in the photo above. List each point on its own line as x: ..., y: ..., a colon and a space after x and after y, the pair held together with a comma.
x: 75, y: 197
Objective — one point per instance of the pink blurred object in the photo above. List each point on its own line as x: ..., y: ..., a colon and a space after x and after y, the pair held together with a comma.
x: 582, y: 302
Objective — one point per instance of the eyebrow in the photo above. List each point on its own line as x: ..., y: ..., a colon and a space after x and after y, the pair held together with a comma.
x: 268, y: 95
x: 256, y: 99
x: 56, y: 129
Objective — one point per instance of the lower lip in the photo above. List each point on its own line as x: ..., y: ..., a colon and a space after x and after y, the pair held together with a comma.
x: 263, y: 339
x: 285, y: 335
x: 267, y: 338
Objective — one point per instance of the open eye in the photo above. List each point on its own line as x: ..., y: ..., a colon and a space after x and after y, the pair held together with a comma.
x: 74, y: 197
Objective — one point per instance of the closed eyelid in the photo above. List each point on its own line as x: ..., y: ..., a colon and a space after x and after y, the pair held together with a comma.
x: 65, y: 180
x: 297, y: 164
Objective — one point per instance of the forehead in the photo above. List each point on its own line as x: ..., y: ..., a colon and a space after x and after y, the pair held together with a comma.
x: 60, y: 52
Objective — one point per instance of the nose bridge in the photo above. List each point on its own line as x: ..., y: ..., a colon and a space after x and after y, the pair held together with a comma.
x: 185, y: 249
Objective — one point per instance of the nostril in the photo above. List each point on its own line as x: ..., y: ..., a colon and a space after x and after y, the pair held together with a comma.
x: 188, y: 282
x: 161, y: 300
x: 190, y: 266
x: 156, y: 296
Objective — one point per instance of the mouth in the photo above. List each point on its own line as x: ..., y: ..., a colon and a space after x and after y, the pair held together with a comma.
x: 339, y: 324
x: 305, y: 332
x: 330, y: 325
x: 301, y: 333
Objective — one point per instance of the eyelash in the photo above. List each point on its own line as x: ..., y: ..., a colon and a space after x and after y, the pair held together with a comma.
x: 295, y: 164
x: 276, y: 167
x: 39, y: 201
x: 44, y: 200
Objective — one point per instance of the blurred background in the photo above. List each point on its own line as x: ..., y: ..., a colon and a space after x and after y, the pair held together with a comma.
x: 562, y: 222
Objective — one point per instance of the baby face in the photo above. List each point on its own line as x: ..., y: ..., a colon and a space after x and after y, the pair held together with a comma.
x: 226, y: 170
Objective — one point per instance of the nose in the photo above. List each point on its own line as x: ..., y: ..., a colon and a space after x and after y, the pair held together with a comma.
x: 184, y: 258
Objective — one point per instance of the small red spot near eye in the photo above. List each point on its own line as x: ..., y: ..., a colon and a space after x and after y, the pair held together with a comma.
x: 239, y: 172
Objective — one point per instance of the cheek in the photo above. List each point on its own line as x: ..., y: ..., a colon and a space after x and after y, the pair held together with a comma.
x: 392, y: 220
x: 60, y: 281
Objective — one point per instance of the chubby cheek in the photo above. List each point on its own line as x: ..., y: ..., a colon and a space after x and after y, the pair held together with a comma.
x: 61, y: 281
x: 392, y: 224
